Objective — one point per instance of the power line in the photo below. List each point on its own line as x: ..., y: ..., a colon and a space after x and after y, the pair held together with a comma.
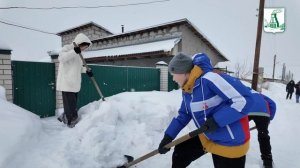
x: 28, y: 28
x: 81, y: 7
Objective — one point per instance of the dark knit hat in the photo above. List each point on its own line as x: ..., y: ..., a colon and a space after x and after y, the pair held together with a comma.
x: 180, y: 64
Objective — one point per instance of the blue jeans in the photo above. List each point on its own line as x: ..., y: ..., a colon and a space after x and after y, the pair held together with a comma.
x: 297, y: 98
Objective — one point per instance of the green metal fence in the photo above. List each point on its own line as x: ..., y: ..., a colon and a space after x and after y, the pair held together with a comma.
x: 113, y: 80
x: 34, y: 84
x: 33, y: 87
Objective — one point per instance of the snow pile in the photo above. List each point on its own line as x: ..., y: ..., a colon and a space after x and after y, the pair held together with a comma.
x: 123, y: 126
x: 129, y: 123
x: 133, y: 123
x: 19, y: 131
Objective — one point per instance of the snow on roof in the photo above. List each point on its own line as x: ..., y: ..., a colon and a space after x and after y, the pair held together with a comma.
x: 164, y: 45
x: 53, y: 52
x: 44, y: 59
x: 161, y: 63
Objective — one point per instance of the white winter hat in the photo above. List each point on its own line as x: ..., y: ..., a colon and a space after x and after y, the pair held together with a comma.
x: 82, y: 38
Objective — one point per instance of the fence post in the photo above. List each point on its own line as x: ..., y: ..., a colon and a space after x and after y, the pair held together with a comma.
x: 163, y: 66
x: 54, y: 58
x: 6, y: 72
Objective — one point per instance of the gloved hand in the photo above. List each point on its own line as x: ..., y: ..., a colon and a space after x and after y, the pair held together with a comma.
x: 167, y: 139
x: 89, y: 72
x: 211, y: 125
x: 77, y: 50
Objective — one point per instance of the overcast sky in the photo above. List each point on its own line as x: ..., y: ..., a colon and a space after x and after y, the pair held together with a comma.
x: 230, y: 25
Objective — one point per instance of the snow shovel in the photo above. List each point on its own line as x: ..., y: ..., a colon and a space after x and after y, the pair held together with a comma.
x: 173, y: 143
x: 92, y: 78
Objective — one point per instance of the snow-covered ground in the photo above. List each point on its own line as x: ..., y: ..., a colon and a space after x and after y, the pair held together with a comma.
x: 129, y: 123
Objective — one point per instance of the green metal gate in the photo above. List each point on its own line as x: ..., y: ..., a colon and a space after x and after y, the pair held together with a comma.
x: 34, y: 87
x: 114, y: 79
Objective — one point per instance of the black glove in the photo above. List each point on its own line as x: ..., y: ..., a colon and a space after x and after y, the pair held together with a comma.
x: 89, y: 73
x: 77, y: 50
x: 211, y: 125
x: 167, y: 139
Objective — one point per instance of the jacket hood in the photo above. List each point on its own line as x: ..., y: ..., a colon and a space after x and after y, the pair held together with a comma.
x: 203, y: 61
x: 81, y: 38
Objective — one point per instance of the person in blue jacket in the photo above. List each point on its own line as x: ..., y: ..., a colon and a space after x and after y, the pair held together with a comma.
x: 262, y: 113
x: 214, y: 101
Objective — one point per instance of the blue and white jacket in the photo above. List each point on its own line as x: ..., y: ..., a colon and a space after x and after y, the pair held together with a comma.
x: 219, y: 96
x: 264, y: 106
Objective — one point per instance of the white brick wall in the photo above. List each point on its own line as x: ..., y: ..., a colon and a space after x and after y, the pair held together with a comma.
x: 163, y: 76
x: 6, y: 75
x: 59, y: 101
x: 92, y: 32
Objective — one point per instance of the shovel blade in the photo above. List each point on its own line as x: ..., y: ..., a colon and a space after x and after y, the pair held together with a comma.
x: 129, y: 159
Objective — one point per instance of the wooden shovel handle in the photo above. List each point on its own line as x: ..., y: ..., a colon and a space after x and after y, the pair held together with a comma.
x: 170, y: 145
x: 92, y: 78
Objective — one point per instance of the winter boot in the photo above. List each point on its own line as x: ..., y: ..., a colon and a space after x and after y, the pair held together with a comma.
x: 267, y: 161
x: 268, y: 164
x: 63, y: 118
x: 73, y: 122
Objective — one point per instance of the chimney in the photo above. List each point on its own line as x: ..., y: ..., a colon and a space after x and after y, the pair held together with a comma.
x: 122, y: 28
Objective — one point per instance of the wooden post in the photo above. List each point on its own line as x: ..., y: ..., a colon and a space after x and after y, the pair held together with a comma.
x: 258, y: 44
x: 274, y: 64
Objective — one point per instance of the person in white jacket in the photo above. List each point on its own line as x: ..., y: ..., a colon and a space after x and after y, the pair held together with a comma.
x: 69, y: 77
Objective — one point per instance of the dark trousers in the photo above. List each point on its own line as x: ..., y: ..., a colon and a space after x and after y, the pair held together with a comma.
x: 262, y: 124
x: 70, y: 103
x: 192, y: 149
x: 289, y: 95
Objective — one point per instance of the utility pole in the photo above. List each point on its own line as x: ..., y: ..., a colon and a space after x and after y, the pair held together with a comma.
x: 274, y: 64
x: 283, y: 72
x: 258, y: 43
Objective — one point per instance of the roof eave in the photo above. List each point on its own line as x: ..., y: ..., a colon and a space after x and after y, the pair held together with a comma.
x: 128, y: 56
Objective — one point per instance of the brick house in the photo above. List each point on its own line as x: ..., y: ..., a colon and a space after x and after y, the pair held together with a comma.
x: 147, y: 47
x: 143, y: 47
